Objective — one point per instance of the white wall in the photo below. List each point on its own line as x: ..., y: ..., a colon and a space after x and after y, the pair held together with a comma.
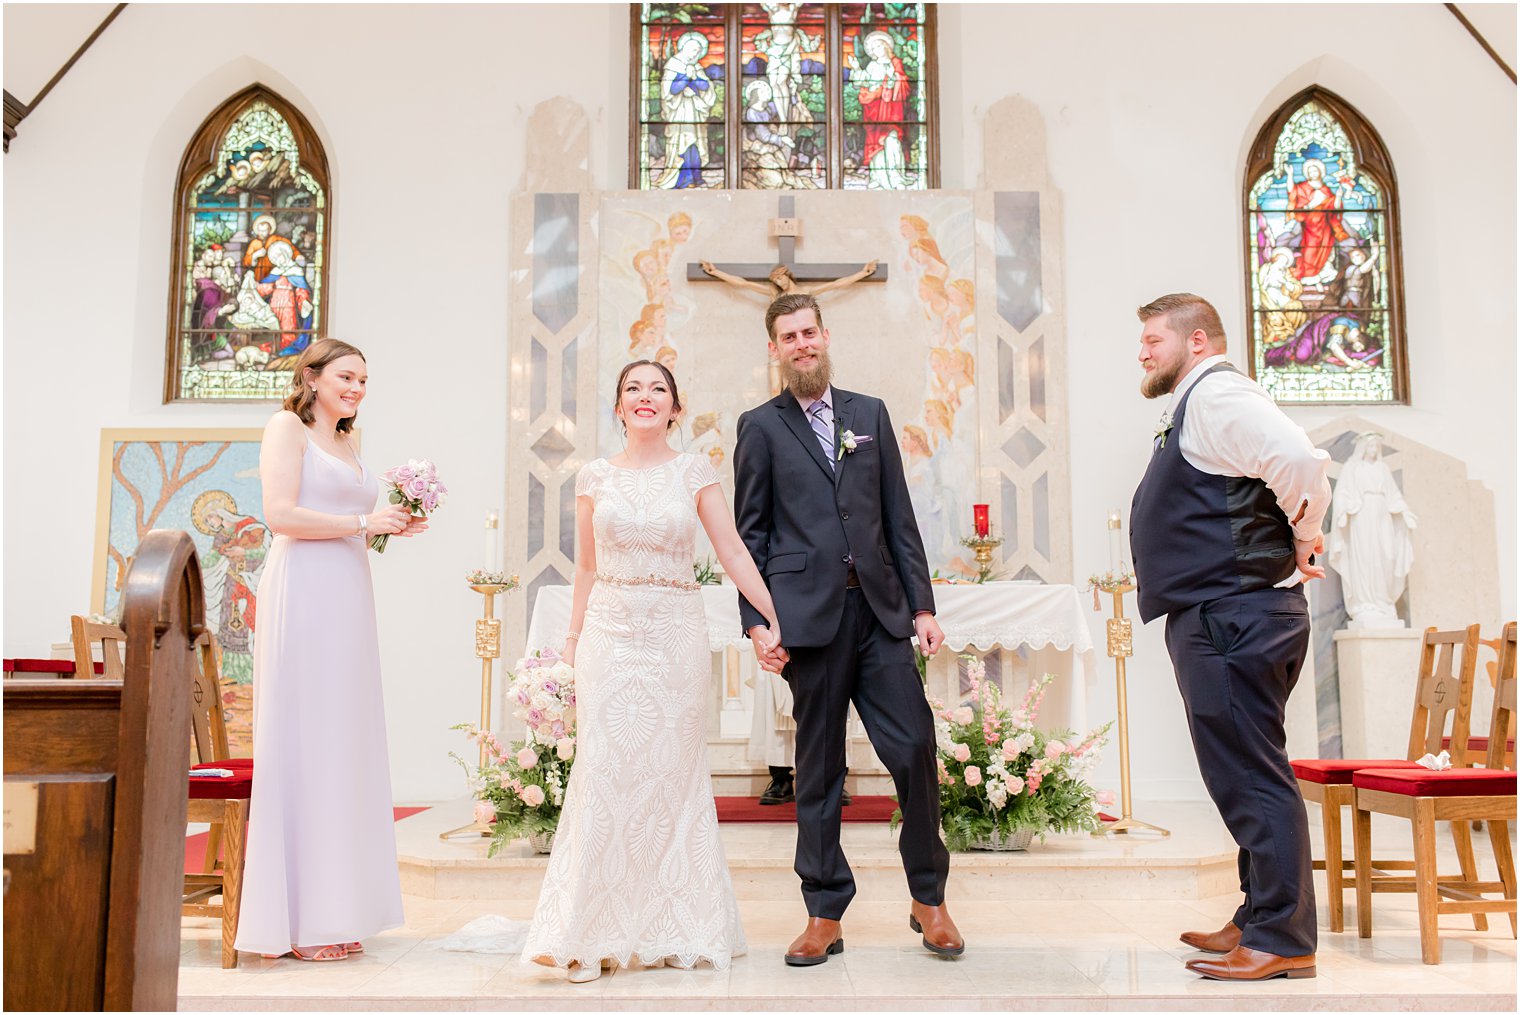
x: 1149, y: 113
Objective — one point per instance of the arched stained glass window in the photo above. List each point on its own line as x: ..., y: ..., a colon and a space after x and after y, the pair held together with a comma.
x: 783, y: 96
x: 250, y: 252
x: 1322, y: 257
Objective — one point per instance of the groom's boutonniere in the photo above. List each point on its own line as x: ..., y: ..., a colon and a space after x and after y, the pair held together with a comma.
x: 849, y: 442
x: 1164, y: 428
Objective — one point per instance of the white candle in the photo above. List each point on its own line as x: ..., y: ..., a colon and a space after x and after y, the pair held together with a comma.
x: 1115, y: 542
x: 493, y: 544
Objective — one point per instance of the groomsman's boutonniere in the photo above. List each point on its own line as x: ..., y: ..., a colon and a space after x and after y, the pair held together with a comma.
x: 849, y: 442
x: 1164, y: 428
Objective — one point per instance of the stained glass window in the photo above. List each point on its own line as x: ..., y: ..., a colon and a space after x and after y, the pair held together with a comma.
x: 819, y: 96
x: 250, y: 256
x: 1323, y: 271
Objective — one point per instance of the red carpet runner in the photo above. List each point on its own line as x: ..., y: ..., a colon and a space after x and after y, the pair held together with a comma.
x: 747, y: 809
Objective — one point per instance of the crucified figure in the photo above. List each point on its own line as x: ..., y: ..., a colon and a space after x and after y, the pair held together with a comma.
x: 780, y: 281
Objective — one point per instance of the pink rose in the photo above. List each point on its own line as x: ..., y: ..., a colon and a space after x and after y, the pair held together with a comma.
x: 1054, y: 750
x: 1014, y: 783
x: 973, y: 775
x: 1010, y: 750
x: 484, y: 813
x: 565, y: 748
x: 964, y: 714
x: 415, y: 487
x: 557, y: 728
x: 961, y: 752
x: 430, y: 501
x: 527, y: 758
x: 1105, y: 797
x: 532, y: 795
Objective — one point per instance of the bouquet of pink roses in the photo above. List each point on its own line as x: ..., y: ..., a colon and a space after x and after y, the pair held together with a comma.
x: 415, y: 486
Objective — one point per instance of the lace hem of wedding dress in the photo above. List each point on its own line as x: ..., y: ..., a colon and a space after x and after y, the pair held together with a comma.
x: 595, y: 954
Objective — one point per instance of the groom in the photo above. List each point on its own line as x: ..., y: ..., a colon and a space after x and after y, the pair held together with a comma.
x: 822, y: 504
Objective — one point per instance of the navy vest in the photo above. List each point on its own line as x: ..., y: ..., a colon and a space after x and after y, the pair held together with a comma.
x: 1195, y: 536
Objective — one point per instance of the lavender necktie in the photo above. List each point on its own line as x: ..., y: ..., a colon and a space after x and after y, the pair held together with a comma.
x: 823, y: 429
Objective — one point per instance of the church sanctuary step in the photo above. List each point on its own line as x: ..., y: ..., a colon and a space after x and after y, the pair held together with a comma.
x: 1196, y: 861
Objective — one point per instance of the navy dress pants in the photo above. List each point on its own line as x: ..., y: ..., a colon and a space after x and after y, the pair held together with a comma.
x: 1237, y: 659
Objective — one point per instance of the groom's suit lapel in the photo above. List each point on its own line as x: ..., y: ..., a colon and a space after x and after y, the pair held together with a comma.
x: 796, y: 420
x: 844, y: 414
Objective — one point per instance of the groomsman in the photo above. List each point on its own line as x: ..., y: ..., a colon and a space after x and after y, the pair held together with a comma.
x: 1224, y: 529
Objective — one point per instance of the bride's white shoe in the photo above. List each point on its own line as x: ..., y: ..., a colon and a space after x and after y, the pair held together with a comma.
x: 584, y: 974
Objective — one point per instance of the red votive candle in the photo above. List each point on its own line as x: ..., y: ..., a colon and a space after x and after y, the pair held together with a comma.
x: 983, y: 521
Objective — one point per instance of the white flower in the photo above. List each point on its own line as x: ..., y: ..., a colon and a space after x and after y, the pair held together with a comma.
x: 997, y: 794
x: 1164, y: 427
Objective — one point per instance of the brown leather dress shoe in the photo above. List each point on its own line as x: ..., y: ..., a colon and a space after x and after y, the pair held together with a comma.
x: 813, y: 947
x: 1223, y: 940
x: 1249, y: 964
x: 940, y: 934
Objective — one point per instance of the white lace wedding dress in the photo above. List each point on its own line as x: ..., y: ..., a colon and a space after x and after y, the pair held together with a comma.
x: 638, y: 869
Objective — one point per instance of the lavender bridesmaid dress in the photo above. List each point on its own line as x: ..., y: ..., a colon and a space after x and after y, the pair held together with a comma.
x: 321, y: 861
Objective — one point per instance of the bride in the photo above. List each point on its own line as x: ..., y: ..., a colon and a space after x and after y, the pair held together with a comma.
x: 638, y: 869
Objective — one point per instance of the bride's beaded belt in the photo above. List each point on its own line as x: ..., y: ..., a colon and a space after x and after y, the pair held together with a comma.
x: 664, y: 583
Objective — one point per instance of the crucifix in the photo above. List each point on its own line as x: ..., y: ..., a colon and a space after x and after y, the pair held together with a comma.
x: 786, y: 275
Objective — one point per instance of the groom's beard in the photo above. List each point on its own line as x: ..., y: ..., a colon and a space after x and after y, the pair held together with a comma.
x: 808, y: 385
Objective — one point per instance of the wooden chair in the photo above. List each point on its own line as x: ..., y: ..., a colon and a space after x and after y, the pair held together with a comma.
x: 113, y: 645
x: 221, y: 802
x: 1455, y: 795
x: 1440, y: 696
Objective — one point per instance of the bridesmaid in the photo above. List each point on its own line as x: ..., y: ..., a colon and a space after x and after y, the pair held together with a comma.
x: 321, y: 864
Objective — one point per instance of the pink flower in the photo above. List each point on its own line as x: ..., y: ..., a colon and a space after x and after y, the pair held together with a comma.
x: 532, y: 795
x: 400, y: 474
x: 565, y: 748
x: 535, y: 716
x: 1033, y: 783
x: 415, y: 487
x: 1014, y: 783
x: 1054, y: 749
x: 945, y: 778
x: 484, y: 813
x: 557, y: 728
x: 527, y: 758
x: 961, y: 752
x: 1010, y: 750
x: 991, y: 736
x: 1105, y: 797
x: 973, y: 775
x: 430, y: 501
x: 964, y: 714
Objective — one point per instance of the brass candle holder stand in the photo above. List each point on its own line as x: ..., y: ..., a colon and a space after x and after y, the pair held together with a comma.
x: 983, y: 546
x: 1120, y: 648
x: 488, y: 649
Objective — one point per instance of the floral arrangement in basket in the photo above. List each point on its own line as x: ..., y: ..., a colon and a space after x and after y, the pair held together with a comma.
x: 521, y: 788
x: 1000, y: 775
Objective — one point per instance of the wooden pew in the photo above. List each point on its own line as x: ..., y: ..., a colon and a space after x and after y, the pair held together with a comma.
x: 95, y: 770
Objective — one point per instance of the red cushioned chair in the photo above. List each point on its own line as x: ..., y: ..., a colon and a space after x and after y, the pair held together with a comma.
x: 1457, y: 795
x: 220, y: 801
x: 83, y: 634
x: 1327, y: 781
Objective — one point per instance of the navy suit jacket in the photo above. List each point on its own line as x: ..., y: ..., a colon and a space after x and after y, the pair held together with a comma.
x: 805, y: 523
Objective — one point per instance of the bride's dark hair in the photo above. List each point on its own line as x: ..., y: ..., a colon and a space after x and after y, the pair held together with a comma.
x: 670, y: 379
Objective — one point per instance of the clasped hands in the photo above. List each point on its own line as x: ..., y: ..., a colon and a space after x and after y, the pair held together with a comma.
x: 773, y: 657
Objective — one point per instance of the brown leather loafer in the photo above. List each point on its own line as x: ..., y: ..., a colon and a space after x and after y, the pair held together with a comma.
x: 1249, y: 964
x: 814, y: 946
x: 1226, y: 939
x: 939, y: 931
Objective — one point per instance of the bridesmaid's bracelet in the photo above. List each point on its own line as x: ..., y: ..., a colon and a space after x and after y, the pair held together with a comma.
x: 572, y: 636
x: 363, y: 526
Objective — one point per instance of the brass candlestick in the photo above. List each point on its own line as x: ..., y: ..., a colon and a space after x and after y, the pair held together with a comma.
x: 1120, y: 648
x: 488, y: 648
x: 983, y: 547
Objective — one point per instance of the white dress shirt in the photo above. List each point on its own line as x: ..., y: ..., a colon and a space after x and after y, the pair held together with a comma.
x: 1233, y: 428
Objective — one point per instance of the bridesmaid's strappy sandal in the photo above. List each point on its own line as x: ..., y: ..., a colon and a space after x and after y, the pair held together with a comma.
x: 354, y: 948
x: 327, y: 953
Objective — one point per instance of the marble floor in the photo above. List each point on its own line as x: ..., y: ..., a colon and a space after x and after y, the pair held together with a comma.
x: 1023, y: 954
